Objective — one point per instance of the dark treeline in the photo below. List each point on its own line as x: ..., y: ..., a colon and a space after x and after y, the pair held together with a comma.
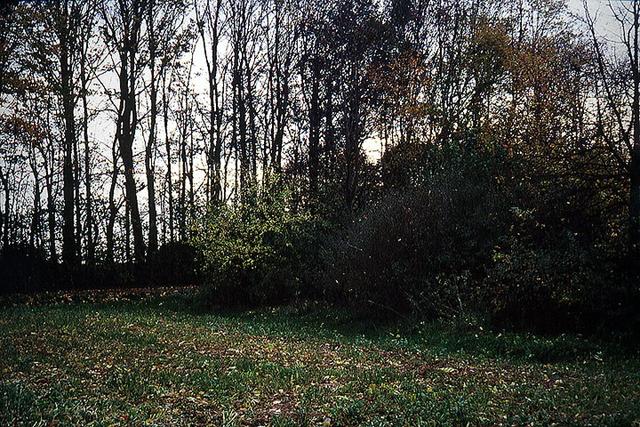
x: 423, y: 156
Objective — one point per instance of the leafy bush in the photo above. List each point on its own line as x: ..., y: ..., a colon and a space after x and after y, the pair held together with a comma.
x: 420, y: 248
x: 255, y: 253
x: 549, y: 279
x: 460, y: 228
x: 536, y: 286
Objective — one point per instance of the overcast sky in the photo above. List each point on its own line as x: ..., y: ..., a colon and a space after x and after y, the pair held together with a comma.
x: 600, y: 9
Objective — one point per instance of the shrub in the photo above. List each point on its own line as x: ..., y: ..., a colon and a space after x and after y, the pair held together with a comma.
x: 25, y: 269
x: 173, y: 264
x: 549, y: 279
x: 420, y: 248
x: 255, y: 253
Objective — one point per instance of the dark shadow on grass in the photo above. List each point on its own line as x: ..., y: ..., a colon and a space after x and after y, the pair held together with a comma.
x: 319, y: 321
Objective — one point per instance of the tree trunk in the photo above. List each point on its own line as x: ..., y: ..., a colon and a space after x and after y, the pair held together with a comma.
x: 634, y: 199
x: 35, y: 219
x: 7, y: 212
x: 87, y: 164
x: 5, y: 218
x: 51, y: 214
x: 634, y: 202
x: 77, y: 170
x: 314, y: 130
x: 151, y: 143
x: 127, y: 91
x: 113, y: 210
x: 167, y: 142
x: 68, y: 232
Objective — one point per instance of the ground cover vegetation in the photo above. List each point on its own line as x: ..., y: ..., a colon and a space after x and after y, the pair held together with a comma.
x: 148, y: 357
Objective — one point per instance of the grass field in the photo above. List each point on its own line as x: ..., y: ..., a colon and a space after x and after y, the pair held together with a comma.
x: 111, y: 359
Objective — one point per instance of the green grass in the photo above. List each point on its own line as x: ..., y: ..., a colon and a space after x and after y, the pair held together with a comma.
x: 156, y: 361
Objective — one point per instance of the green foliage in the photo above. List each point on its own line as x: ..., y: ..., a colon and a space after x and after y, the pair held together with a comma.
x: 16, y: 404
x: 550, y: 279
x: 256, y: 252
x: 560, y: 263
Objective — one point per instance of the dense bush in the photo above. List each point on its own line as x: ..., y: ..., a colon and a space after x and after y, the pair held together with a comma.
x: 255, y: 253
x: 460, y: 229
x: 422, y: 247
x: 539, y: 287
x: 173, y: 264
x: 560, y: 263
x: 25, y: 269
x: 449, y: 230
x: 550, y: 278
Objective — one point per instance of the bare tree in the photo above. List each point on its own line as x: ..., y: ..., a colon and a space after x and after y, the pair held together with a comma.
x: 209, y: 22
x: 619, y: 78
x: 124, y: 32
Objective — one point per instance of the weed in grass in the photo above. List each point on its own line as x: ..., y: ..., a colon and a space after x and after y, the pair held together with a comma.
x: 16, y: 404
